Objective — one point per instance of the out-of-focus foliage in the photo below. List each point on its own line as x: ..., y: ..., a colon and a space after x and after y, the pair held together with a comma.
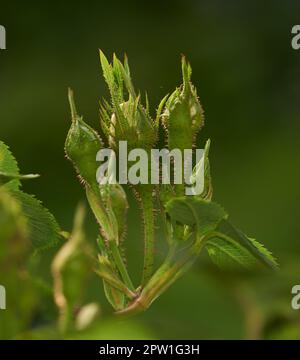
x: 42, y: 228
x: 26, y: 230
x: 25, y: 227
x: 71, y: 270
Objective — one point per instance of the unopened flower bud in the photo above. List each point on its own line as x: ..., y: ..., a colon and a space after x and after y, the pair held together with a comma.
x: 183, y: 115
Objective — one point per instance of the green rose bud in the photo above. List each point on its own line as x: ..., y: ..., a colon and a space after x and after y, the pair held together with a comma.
x: 81, y: 147
x: 125, y: 119
x: 183, y: 115
x: 108, y: 202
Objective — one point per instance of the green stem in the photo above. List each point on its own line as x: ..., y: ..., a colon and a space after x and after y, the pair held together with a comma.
x: 65, y: 319
x: 120, y: 264
x: 161, y: 280
x: 148, y: 217
x: 178, y: 261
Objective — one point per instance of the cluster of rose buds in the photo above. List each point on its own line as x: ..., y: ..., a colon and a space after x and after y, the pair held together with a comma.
x: 190, y: 223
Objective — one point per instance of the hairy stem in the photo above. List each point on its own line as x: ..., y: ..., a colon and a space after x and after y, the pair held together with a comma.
x: 120, y: 265
x: 175, y: 265
x: 177, y: 262
x: 148, y: 217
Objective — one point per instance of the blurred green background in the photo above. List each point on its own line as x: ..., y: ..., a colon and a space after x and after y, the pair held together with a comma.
x: 248, y: 79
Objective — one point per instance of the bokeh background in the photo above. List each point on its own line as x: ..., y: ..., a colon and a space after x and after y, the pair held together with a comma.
x: 248, y: 79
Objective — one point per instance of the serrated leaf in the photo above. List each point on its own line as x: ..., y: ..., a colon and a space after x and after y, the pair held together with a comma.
x: 8, y: 165
x: 191, y: 211
x: 117, y: 76
x: 229, y: 255
x: 231, y: 233
x: 6, y: 177
x: 13, y: 228
x: 127, y: 80
x: 43, y: 230
x: 264, y: 251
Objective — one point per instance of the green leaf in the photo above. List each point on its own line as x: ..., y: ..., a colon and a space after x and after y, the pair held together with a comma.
x: 233, y: 235
x: 191, y: 211
x: 9, y: 170
x: 8, y: 165
x: 13, y: 229
x: 125, y: 73
x: 43, y: 230
x: 229, y: 255
x: 6, y: 177
x: 265, y: 253
x: 108, y: 73
x: 113, y: 84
